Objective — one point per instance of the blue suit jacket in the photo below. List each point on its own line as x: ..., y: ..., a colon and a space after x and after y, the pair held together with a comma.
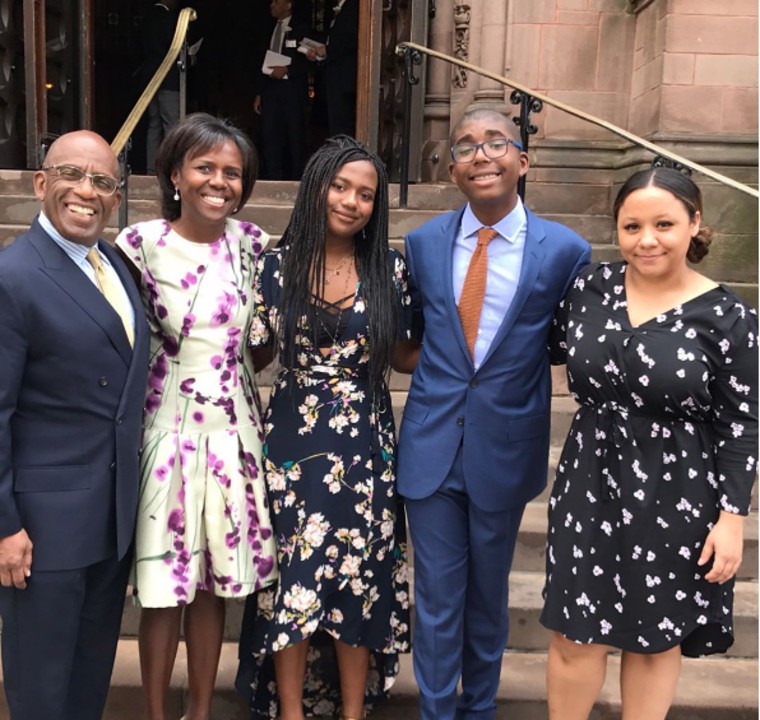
x: 71, y: 398
x: 501, y: 412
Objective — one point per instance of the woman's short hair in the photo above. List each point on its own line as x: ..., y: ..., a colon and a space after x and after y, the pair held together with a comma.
x: 194, y: 135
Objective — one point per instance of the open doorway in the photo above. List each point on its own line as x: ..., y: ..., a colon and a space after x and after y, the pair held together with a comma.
x: 221, y: 79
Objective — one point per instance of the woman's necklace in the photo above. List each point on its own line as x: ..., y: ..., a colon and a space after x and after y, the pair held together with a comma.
x: 334, y: 336
x: 335, y: 269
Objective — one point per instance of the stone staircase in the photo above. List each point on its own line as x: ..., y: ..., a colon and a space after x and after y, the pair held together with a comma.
x: 716, y: 688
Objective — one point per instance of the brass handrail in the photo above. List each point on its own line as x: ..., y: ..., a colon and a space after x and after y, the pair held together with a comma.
x: 635, y: 139
x: 186, y: 16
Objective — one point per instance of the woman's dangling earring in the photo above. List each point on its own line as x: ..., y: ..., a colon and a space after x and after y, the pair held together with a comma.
x: 176, y: 193
x: 364, y: 235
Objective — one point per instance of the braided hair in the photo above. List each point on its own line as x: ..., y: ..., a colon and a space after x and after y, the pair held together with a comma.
x: 303, y: 261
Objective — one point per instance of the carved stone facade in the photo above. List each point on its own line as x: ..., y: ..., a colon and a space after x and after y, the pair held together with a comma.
x: 654, y: 67
x: 680, y: 73
x: 461, y: 43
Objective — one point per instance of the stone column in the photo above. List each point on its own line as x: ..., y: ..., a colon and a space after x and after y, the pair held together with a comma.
x: 438, y: 95
x: 439, y: 71
x: 490, y: 52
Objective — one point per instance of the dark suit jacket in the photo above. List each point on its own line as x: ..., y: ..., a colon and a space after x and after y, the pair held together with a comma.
x: 500, y: 413
x: 156, y: 35
x: 341, y: 60
x: 298, y: 70
x: 71, y: 398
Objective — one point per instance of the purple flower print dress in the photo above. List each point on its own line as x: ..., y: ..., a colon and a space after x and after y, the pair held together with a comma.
x: 665, y: 437
x: 203, y: 518
x: 329, y: 460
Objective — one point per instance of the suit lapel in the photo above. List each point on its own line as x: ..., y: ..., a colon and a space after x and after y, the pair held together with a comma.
x: 64, y: 273
x: 451, y: 231
x: 533, y: 259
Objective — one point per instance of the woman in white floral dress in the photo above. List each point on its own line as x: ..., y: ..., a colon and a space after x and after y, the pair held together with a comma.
x: 645, y: 517
x: 332, y: 304
x: 203, y: 527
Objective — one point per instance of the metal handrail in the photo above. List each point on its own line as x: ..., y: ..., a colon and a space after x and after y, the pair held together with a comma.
x: 635, y: 139
x: 186, y: 16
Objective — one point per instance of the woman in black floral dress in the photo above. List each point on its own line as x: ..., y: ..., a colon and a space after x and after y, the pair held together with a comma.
x: 645, y: 517
x: 331, y: 303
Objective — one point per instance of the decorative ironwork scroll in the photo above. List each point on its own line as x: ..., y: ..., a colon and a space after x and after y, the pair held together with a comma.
x: 528, y: 105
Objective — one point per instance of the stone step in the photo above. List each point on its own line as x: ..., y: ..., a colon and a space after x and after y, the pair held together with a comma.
x: 714, y: 688
x: 18, y: 211
x: 581, y: 202
x: 545, y: 196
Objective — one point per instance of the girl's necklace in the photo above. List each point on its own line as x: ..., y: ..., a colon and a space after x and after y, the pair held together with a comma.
x: 335, y: 269
x: 334, y: 336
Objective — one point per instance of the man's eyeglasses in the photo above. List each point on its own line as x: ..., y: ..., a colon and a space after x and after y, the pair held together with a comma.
x: 492, y: 149
x: 104, y: 185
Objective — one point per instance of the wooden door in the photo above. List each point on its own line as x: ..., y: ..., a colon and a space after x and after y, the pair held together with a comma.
x: 12, y: 104
x: 388, y: 23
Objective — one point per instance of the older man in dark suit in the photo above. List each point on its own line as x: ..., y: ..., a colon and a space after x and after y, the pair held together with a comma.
x: 74, y: 359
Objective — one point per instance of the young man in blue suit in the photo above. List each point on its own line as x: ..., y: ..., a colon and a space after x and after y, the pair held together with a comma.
x: 474, y: 441
x: 73, y: 371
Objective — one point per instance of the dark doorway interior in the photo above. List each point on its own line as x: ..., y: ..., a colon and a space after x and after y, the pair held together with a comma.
x: 220, y: 81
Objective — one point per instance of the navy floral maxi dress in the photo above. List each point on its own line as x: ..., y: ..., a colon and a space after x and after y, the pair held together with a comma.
x: 329, y: 461
x: 664, y: 439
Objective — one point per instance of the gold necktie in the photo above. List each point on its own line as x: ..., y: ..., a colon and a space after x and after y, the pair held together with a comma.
x: 111, y: 293
x: 474, y: 288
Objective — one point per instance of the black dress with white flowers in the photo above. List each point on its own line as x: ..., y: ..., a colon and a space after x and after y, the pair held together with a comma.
x: 664, y: 438
x: 329, y: 460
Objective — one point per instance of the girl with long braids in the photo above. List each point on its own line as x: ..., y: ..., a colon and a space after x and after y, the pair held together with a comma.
x: 331, y: 303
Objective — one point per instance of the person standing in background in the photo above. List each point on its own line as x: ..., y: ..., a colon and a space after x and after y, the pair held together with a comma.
x: 339, y: 68
x: 74, y: 359
x: 156, y: 35
x: 282, y: 94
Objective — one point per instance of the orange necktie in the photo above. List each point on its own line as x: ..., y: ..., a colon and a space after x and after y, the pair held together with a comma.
x: 474, y: 288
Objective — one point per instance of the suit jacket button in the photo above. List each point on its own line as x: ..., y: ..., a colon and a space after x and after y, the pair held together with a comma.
x: 473, y: 383
x: 103, y: 381
x: 119, y: 420
x: 112, y: 466
x: 460, y: 421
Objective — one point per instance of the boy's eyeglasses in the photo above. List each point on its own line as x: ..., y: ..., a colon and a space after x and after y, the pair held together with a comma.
x: 492, y: 149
